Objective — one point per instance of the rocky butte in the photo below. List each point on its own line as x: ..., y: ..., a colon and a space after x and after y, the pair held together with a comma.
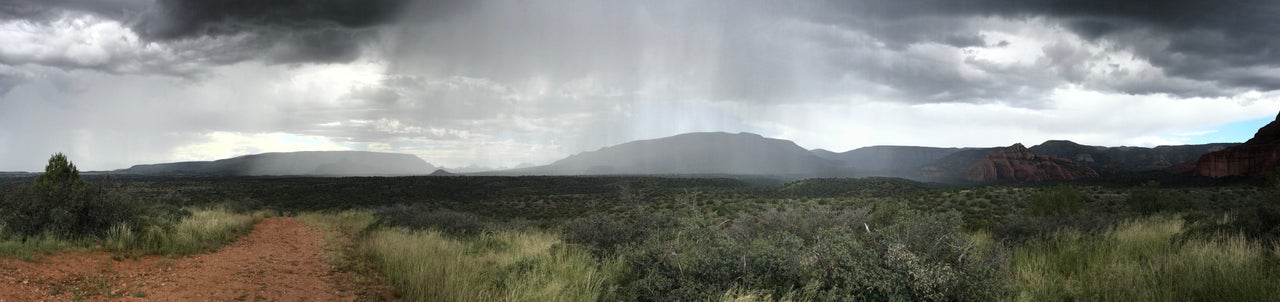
x: 1017, y: 163
x: 1013, y: 163
x: 1256, y: 157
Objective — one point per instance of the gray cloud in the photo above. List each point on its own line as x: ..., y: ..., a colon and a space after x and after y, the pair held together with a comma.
x: 174, y: 19
x: 9, y: 78
x: 741, y: 48
x: 42, y: 10
x: 1197, y: 40
x: 578, y: 75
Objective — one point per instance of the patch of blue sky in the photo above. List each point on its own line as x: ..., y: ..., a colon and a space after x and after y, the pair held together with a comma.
x: 1234, y: 132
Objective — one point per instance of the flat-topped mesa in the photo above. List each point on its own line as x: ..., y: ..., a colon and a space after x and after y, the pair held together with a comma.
x: 304, y: 163
x: 1258, y: 156
x: 694, y: 153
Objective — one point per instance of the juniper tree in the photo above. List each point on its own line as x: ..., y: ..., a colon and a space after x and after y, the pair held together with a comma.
x: 60, y: 181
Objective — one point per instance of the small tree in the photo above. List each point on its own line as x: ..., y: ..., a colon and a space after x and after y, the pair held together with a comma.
x: 60, y: 181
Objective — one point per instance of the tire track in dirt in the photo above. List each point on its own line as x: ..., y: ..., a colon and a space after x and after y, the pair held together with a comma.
x: 280, y: 260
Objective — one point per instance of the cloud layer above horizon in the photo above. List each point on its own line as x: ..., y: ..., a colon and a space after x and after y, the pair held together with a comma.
x: 497, y: 83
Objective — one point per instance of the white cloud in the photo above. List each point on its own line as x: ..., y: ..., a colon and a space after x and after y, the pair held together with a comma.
x: 77, y: 40
x: 1151, y: 141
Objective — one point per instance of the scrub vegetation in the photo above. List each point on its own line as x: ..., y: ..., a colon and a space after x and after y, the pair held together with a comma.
x: 696, y: 239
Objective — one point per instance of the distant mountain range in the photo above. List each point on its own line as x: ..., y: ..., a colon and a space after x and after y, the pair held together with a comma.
x: 719, y: 153
x: 747, y: 154
x: 14, y: 174
x: 309, y: 163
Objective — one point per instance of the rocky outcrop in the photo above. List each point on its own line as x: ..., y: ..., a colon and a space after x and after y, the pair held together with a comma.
x: 1258, y: 156
x: 1018, y: 164
x: 1013, y: 163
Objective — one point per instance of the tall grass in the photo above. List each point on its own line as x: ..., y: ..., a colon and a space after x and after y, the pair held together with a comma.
x: 1144, y: 260
x: 14, y: 247
x: 205, y: 230
x: 498, y: 266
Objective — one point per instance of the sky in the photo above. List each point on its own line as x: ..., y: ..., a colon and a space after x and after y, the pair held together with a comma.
x: 499, y: 83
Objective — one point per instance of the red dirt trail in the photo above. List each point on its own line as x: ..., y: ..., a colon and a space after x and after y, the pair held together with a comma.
x: 281, y: 260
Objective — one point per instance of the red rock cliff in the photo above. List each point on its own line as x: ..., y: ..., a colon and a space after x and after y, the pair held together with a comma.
x: 1256, y: 157
x: 1018, y: 164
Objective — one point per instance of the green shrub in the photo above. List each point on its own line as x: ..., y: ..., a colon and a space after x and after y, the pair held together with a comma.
x: 605, y: 234
x: 1149, y: 199
x: 814, y: 255
x: 1059, y: 200
x: 1256, y: 216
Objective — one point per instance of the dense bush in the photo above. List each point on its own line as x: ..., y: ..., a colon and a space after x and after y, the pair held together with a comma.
x: 1057, y: 200
x: 61, y: 204
x: 604, y: 233
x: 1258, y: 217
x: 915, y: 256
x: 1149, y: 199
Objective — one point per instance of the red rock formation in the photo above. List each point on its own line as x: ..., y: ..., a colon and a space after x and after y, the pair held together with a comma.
x: 1256, y: 157
x: 1018, y: 164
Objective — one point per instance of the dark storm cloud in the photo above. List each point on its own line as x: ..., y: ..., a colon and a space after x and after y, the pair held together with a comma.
x: 1218, y: 42
x: 290, y: 31
x: 173, y: 19
x: 1092, y: 29
x: 1206, y: 40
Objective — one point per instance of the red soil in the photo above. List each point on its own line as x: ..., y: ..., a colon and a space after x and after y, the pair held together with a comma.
x: 281, y: 260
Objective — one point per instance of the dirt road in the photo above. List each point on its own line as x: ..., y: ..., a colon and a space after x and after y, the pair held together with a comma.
x: 281, y: 260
